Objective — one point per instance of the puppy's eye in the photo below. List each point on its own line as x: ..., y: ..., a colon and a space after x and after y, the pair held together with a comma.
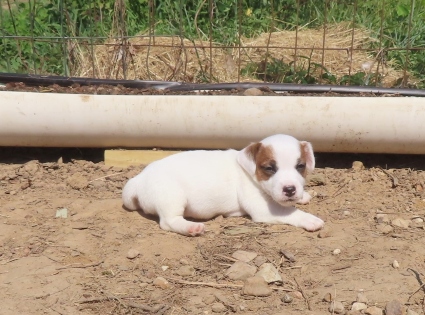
x: 300, y: 167
x: 269, y: 169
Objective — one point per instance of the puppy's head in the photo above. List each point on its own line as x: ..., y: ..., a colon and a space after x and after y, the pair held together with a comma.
x: 279, y: 164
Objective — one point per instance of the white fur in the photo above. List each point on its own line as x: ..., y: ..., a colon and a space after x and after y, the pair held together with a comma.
x: 204, y: 184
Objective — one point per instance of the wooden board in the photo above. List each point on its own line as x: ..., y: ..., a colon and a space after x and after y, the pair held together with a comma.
x: 125, y: 158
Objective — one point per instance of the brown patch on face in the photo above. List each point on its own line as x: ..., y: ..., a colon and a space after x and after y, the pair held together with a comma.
x: 302, y: 161
x: 264, y: 161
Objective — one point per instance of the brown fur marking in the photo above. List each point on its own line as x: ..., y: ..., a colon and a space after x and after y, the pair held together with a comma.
x: 303, y: 158
x: 264, y: 158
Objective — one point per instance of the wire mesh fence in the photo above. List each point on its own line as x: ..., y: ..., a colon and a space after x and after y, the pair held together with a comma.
x: 338, y: 42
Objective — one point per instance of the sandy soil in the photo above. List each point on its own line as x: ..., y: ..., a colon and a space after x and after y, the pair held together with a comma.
x: 85, y: 263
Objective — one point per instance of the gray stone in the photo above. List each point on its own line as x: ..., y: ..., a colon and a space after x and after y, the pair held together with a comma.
x: 336, y: 307
x: 358, y: 166
x: 402, y: 223
x: 244, y: 255
x: 394, y: 307
x: 185, y: 271
x: 218, y: 308
x: 384, y: 228
x: 132, y: 253
x: 161, y: 283
x: 358, y: 306
x: 240, y: 271
x: 253, y: 92
x: 256, y: 286
x: 269, y: 273
x: 373, y: 310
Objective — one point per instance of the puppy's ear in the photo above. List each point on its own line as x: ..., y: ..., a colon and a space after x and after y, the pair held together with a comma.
x: 307, y: 155
x: 246, y: 158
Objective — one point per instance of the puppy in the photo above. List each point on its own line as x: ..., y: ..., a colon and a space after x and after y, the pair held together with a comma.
x: 264, y: 180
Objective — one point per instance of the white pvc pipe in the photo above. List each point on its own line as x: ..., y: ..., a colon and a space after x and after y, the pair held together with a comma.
x: 332, y: 124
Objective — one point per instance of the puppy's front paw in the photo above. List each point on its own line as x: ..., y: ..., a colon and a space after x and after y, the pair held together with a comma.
x: 196, y: 229
x: 311, y: 223
x: 305, y: 199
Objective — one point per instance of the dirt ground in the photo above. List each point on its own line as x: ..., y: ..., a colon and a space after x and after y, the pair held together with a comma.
x: 102, y: 259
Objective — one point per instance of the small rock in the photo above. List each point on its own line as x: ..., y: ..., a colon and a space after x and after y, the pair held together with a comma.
x: 185, y: 271
x: 399, y: 222
x: 395, y: 264
x: 336, y: 251
x: 418, y: 220
x: 394, y: 307
x: 253, y: 92
x: 286, y: 298
x: 296, y: 295
x: 209, y: 299
x: 218, y: 308
x: 62, y: 213
x: 316, y: 180
x: 244, y: 256
x: 361, y: 298
x: 288, y: 255
x: 328, y: 297
x: 269, y: 273
x: 240, y: 271
x: 384, y: 228
x: 358, y: 306
x: 324, y: 234
x: 357, y: 166
x: 259, y: 260
x: 184, y: 261
x: 411, y: 312
x: 164, y: 268
x: 132, y: 253
x: 161, y: 283
x: 346, y: 213
x: 382, y: 218
x: 336, y: 307
x: 373, y: 310
x: 256, y: 286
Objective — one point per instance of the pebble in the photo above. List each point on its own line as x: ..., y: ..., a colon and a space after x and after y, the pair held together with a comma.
x: 395, y: 264
x: 288, y: 255
x: 346, y: 213
x: 411, y: 312
x: 77, y: 181
x: 164, y: 268
x: 253, y: 92
x: 324, y: 234
x: 184, y: 261
x: 132, y: 253
x: 185, y: 271
x: 296, y: 295
x: 209, y: 299
x: 336, y: 307
x: 161, y: 283
x: 256, y: 286
x: 358, y: 306
x: 418, y: 220
x: 244, y: 255
x: 259, y: 260
x: 269, y: 273
x: 328, y: 297
x: 218, y: 307
x: 361, y: 298
x: 240, y: 271
x: 358, y: 166
x: 382, y: 218
x: 399, y: 222
x: 287, y: 298
x: 373, y: 310
x: 384, y: 228
x: 336, y: 251
x: 394, y: 307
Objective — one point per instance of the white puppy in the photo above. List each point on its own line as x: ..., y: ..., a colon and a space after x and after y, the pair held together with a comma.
x: 264, y: 181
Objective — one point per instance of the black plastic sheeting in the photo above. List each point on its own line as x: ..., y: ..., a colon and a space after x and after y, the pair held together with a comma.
x: 40, y: 80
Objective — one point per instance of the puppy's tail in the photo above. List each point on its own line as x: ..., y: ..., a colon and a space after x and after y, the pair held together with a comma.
x: 129, y: 196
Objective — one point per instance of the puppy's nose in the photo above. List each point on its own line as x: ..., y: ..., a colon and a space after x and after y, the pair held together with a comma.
x: 289, y: 190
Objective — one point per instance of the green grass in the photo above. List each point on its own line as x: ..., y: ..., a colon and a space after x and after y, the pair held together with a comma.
x: 390, y: 22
